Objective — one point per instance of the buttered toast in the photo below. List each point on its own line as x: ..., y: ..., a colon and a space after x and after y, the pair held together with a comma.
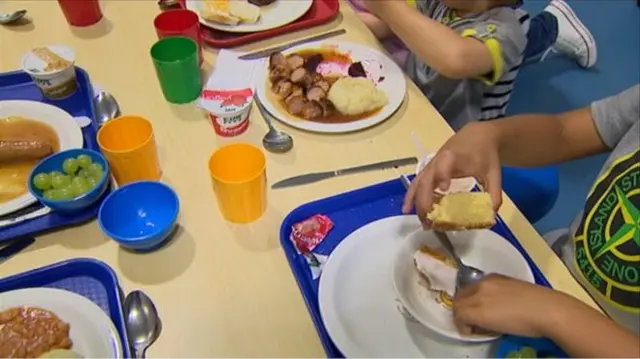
x: 461, y: 211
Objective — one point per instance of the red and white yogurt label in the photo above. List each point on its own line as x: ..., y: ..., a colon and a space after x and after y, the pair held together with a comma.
x: 228, y: 110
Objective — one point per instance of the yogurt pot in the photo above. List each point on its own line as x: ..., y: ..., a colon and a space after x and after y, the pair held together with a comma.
x: 53, y: 69
x: 228, y: 110
x: 457, y: 185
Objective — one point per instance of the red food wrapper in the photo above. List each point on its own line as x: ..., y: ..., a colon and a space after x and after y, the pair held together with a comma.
x: 306, y: 235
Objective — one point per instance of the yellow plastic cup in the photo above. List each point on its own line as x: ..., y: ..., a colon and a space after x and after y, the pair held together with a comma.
x: 238, y: 174
x: 130, y: 148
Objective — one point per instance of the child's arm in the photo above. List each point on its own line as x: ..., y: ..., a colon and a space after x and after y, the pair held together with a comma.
x: 377, y: 26
x: 435, y: 44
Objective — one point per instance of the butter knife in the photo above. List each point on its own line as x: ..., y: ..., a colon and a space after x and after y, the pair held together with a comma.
x: 264, y: 53
x: 319, y: 176
x: 14, y: 248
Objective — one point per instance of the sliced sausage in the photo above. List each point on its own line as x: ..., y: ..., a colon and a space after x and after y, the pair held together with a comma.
x: 296, y: 105
x: 315, y: 93
x: 295, y: 61
x: 277, y: 59
x: 283, y: 88
x: 299, y: 76
x: 15, y: 151
x: 323, y: 84
x: 278, y: 73
x: 328, y: 109
x: 312, y: 110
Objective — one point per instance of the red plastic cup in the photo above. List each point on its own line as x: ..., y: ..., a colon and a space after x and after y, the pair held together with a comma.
x: 81, y: 12
x: 179, y: 23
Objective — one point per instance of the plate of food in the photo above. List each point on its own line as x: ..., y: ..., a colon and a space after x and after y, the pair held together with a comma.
x: 29, y: 132
x: 248, y: 15
x: 424, y: 277
x: 360, y: 308
x: 332, y: 87
x: 55, y: 323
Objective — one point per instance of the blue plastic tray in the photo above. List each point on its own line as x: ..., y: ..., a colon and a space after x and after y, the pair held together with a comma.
x: 18, y: 85
x: 350, y: 211
x: 87, y: 277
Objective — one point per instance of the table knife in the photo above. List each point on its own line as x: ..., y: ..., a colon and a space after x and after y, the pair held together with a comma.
x: 319, y: 176
x: 264, y: 53
x: 14, y: 248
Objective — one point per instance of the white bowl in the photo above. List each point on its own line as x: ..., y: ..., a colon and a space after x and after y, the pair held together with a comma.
x: 457, y: 185
x: 483, y: 249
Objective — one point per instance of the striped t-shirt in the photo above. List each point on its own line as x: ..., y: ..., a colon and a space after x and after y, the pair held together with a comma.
x: 461, y: 101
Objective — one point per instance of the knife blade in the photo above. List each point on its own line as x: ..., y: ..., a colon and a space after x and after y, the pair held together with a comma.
x: 319, y: 176
x: 15, y: 248
x: 266, y: 52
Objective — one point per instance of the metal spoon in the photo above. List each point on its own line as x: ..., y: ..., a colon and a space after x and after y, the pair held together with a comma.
x: 274, y: 140
x: 143, y: 322
x: 107, y: 108
x: 11, y: 17
x: 467, y: 275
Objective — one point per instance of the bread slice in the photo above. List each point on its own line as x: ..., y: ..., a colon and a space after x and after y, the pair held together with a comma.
x: 462, y: 211
x: 243, y: 10
x: 218, y: 11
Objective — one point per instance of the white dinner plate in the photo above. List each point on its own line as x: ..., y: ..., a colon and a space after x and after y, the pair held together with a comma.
x: 394, y: 85
x: 359, y: 306
x: 91, y: 331
x: 483, y: 249
x: 280, y: 13
x: 69, y: 135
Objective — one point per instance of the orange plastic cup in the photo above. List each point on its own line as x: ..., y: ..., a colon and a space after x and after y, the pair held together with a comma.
x: 238, y: 173
x: 130, y: 148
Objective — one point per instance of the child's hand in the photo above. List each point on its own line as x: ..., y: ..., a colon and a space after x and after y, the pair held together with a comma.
x: 507, y: 306
x: 379, y: 28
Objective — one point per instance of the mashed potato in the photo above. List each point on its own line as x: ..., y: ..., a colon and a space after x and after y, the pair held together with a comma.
x: 61, y: 353
x: 355, y: 96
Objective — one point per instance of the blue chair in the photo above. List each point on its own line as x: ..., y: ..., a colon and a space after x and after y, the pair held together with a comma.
x: 533, y: 190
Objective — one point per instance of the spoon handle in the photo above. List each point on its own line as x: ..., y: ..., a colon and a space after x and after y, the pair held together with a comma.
x: 266, y: 115
x: 446, y: 243
x: 139, y: 353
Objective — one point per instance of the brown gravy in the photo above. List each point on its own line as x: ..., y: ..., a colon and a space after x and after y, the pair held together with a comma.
x: 14, y: 175
x: 329, y: 55
x: 29, y: 332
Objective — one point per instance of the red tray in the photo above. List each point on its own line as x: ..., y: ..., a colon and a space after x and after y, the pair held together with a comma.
x: 321, y: 12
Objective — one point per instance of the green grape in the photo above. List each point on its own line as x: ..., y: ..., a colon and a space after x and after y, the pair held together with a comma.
x: 93, y: 183
x: 42, y: 181
x: 96, y: 170
x: 80, y: 186
x: 514, y: 355
x: 60, y: 181
x: 528, y: 352
x: 49, y: 194
x: 97, y: 175
x: 84, y: 173
x: 53, y: 174
x: 84, y: 161
x: 65, y: 193
x: 70, y: 166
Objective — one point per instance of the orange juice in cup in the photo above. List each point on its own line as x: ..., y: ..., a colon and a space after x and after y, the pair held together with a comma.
x: 129, y: 145
x: 238, y: 174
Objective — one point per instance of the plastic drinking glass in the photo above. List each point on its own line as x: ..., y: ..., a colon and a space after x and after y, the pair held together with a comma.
x: 129, y: 146
x: 176, y: 62
x: 238, y: 174
x: 81, y: 12
x: 179, y: 23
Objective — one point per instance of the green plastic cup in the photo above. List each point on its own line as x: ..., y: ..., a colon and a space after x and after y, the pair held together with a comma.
x: 176, y: 63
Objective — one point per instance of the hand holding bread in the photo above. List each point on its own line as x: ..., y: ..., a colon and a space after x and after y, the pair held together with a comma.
x: 469, y: 153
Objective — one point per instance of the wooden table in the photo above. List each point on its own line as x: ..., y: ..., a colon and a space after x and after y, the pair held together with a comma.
x: 224, y: 290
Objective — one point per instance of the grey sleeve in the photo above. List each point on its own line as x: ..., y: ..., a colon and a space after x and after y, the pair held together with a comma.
x: 505, y: 38
x: 614, y: 116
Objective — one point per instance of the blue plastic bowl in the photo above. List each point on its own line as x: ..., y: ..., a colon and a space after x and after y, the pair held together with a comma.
x: 54, y: 163
x: 140, y: 215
